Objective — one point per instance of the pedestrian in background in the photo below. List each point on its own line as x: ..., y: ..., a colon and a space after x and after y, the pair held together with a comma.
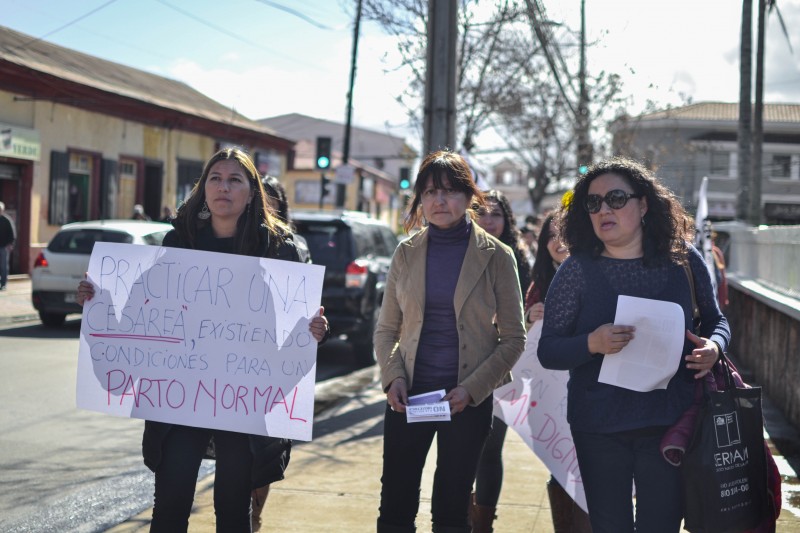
x: 627, y: 235
x: 442, y: 327
x: 166, y: 214
x: 277, y: 200
x: 497, y: 219
x: 226, y: 212
x: 567, y: 515
x: 8, y: 235
x: 138, y: 213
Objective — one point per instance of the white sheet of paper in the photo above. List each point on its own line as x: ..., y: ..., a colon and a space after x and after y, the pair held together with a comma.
x: 428, y: 407
x: 653, y: 356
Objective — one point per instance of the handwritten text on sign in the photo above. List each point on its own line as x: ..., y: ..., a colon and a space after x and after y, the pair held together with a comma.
x: 535, y: 405
x: 200, y: 338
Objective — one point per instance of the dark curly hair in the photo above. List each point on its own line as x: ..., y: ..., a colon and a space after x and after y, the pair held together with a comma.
x: 440, y: 165
x: 258, y: 214
x: 667, y: 226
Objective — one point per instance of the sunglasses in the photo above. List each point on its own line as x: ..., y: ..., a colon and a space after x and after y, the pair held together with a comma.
x: 615, y: 199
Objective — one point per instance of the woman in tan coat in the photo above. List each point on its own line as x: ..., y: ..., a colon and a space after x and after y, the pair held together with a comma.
x: 451, y: 320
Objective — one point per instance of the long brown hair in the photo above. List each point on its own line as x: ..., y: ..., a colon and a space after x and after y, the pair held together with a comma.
x: 441, y: 165
x: 248, y: 238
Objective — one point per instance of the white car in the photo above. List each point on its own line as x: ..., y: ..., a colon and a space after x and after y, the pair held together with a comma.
x: 61, y: 266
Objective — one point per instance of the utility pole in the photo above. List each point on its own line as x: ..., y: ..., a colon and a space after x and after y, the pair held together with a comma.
x: 745, y: 112
x: 440, y: 76
x: 754, y: 209
x: 585, y: 149
x: 341, y: 188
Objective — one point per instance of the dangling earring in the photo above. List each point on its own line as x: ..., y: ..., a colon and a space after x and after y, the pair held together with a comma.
x: 204, y: 213
x: 642, y: 220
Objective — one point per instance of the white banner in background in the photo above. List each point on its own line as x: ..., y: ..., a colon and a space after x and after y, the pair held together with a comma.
x: 535, y: 405
x: 200, y: 338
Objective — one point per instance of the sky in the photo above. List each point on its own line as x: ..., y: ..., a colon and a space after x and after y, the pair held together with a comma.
x: 261, y: 60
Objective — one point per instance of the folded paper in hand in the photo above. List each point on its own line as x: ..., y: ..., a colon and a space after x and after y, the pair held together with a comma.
x: 428, y: 407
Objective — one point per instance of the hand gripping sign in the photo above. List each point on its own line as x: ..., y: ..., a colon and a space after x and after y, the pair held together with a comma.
x: 201, y: 339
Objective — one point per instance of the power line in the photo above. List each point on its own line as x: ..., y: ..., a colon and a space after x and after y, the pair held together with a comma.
x: 296, y: 13
x: 227, y: 32
x: 67, y: 25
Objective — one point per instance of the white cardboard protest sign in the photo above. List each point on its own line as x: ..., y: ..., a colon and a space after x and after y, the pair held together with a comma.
x: 202, y: 339
x: 534, y: 404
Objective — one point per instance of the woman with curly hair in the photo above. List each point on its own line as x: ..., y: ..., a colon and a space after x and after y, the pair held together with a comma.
x: 627, y: 235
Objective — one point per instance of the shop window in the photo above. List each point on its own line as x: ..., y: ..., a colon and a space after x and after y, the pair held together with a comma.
x: 781, y: 166
x: 720, y: 163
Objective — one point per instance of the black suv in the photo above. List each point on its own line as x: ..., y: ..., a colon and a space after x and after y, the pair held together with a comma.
x: 356, y: 251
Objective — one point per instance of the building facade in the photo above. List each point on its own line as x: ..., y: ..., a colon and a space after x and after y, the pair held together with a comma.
x: 82, y: 138
x: 688, y: 143
x: 377, y: 161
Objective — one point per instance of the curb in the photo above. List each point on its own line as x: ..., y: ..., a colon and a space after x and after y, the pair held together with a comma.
x: 332, y: 391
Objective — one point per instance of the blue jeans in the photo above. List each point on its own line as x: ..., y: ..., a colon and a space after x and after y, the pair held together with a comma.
x: 405, y: 447
x: 611, y: 463
x: 176, y: 479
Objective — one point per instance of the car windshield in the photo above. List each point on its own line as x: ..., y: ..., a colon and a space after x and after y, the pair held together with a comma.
x: 82, y: 241
x: 327, y: 243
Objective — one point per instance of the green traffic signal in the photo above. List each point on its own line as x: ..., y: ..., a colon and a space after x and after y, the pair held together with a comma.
x: 404, y: 184
x: 583, y: 169
x: 323, y: 152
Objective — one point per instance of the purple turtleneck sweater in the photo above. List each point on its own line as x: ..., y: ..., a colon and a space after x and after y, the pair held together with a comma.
x: 436, y: 366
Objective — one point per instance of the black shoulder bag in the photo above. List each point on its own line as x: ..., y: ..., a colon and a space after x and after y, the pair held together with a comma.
x: 724, y: 468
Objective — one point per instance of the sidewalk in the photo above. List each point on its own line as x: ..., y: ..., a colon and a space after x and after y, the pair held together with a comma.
x: 333, y: 482
x: 15, y: 301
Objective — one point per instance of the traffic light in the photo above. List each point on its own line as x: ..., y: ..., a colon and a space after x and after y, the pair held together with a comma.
x: 323, y: 159
x: 583, y: 169
x: 405, y: 183
x: 324, y: 184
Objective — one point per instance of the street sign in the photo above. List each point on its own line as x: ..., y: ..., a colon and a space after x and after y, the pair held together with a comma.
x: 345, y: 174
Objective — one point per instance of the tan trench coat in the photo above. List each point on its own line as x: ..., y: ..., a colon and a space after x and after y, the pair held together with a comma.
x: 487, y: 291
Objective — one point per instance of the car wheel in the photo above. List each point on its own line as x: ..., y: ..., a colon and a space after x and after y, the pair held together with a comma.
x: 52, y: 320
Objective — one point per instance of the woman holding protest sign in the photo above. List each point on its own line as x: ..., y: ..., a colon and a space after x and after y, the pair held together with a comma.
x: 567, y: 515
x: 627, y: 235
x: 226, y: 212
x: 451, y: 323
x: 497, y: 219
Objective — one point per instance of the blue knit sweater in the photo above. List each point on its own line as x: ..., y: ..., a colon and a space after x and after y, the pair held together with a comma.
x: 582, y: 297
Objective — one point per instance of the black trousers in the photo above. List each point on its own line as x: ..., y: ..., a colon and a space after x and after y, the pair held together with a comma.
x: 176, y: 478
x: 405, y: 447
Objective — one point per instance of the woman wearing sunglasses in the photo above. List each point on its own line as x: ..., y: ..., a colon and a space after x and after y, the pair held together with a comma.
x: 627, y: 235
